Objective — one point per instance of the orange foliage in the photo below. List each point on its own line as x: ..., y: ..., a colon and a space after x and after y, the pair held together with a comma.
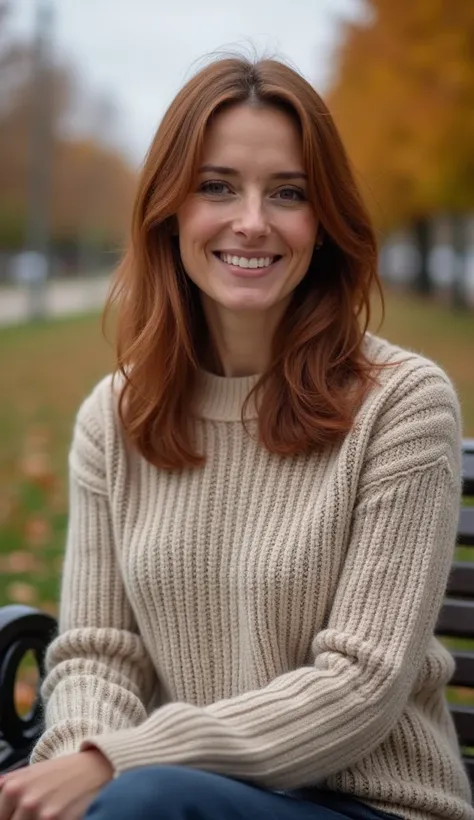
x: 403, y: 99
x: 25, y: 696
x: 93, y: 190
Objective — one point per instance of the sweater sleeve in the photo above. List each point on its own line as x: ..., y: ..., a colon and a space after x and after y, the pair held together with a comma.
x: 316, y: 720
x: 99, y: 675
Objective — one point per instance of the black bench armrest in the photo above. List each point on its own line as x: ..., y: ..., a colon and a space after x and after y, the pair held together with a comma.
x: 22, y: 629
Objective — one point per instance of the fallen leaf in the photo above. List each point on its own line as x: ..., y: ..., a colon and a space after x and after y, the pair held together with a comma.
x: 22, y: 593
x: 35, y: 465
x: 37, y: 531
x: 20, y: 561
x: 25, y: 696
x: 36, y: 468
x: 50, y: 607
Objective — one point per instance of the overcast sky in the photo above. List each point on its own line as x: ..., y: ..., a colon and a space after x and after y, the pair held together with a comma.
x: 141, y: 51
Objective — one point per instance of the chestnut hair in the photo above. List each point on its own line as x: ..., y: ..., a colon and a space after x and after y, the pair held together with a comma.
x: 318, y: 374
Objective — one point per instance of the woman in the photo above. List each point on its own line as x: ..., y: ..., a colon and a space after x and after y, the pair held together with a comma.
x: 262, y: 506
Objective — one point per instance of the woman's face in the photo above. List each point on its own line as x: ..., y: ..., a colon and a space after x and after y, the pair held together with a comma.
x: 247, y: 230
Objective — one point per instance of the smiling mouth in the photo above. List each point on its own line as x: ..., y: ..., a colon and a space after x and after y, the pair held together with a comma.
x: 254, y: 262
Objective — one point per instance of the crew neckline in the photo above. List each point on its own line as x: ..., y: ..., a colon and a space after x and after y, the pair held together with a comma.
x: 221, y: 397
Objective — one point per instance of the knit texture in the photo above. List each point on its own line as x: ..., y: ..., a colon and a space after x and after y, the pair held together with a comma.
x: 268, y: 618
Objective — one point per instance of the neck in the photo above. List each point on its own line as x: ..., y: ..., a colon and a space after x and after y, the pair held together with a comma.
x: 243, y: 340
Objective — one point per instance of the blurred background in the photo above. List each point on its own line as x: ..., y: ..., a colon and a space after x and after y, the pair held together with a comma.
x: 83, y: 86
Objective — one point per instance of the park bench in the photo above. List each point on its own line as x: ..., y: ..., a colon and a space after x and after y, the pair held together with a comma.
x: 23, y: 629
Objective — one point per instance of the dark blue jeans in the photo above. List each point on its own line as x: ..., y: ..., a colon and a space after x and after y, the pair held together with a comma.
x: 181, y: 793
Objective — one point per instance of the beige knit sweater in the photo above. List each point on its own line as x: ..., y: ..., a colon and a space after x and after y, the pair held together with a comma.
x: 269, y: 619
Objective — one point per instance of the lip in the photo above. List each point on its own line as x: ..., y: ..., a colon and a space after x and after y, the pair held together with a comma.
x: 247, y: 273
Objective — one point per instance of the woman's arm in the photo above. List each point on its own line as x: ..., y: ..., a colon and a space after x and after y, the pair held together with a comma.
x: 314, y: 721
x: 99, y: 674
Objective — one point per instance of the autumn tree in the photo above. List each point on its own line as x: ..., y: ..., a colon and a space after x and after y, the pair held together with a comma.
x: 403, y: 97
x: 92, y: 185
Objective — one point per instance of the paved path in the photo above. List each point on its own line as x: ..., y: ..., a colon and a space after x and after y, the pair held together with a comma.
x: 61, y: 297
x: 65, y: 297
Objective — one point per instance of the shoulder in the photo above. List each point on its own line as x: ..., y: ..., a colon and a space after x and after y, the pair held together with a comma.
x: 98, y: 407
x: 408, y: 379
x: 411, y: 416
x: 96, y: 427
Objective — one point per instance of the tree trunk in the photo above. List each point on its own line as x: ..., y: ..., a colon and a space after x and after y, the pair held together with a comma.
x: 458, y: 240
x: 421, y: 233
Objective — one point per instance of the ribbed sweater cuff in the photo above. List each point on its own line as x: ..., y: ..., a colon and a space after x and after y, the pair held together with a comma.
x: 138, y: 746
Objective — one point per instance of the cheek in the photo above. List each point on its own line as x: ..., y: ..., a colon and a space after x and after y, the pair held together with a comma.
x: 197, y: 225
x: 301, y: 233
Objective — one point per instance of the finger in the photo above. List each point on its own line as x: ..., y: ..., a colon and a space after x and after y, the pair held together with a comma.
x: 9, y: 798
x: 25, y: 812
x: 27, y: 809
x: 17, y: 802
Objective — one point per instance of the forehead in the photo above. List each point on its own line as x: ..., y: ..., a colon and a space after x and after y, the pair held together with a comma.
x: 247, y: 135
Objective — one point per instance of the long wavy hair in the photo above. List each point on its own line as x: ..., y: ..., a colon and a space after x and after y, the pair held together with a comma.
x: 318, y: 372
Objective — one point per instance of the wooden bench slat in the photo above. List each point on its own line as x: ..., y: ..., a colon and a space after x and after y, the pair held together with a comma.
x: 466, y: 527
x: 464, y: 672
x: 461, y: 580
x: 464, y: 721
x: 456, y: 619
x: 468, y: 467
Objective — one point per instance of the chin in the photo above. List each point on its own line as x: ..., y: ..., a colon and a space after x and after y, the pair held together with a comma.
x: 246, y: 302
x: 248, y: 306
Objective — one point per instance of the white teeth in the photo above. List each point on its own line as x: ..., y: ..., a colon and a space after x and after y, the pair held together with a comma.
x: 243, y: 262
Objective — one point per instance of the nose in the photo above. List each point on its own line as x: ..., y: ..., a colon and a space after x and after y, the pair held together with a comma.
x: 250, y: 219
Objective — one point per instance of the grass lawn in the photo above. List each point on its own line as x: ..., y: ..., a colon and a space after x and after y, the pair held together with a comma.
x: 47, y: 369
x: 439, y: 333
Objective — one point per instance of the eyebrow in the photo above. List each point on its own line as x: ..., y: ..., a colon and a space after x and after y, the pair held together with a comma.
x: 223, y: 169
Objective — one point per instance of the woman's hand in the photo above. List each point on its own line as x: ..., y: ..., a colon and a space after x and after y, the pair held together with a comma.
x: 57, y: 789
